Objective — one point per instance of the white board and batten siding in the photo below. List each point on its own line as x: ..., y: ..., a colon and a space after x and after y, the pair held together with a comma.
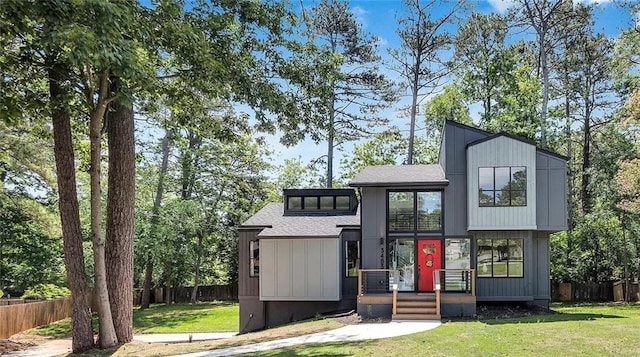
x: 298, y: 269
x: 501, y: 151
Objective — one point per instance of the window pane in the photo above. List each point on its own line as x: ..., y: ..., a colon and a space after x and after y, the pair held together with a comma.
x: 457, y: 253
x: 502, y: 198
x: 519, y: 178
x: 518, y: 198
x: 486, y: 198
x: 342, y: 202
x: 500, y: 257
x: 515, y: 257
x: 295, y: 203
x: 401, y: 211
x: 401, y: 253
x: 484, y: 258
x: 254, y: 255
x: 353, y: 258
x: 326, y: 202
x: 485, y: 178
x: 429, y: 211
x: 310, y: 203
x: 502, y: 178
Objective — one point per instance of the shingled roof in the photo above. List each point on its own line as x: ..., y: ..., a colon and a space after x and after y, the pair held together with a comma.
x: 271, y: 217
x: 402, y: 175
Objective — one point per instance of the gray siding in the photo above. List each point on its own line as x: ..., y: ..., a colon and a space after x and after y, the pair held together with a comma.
x: 551, y: 193
x: 509, y: 289
x: 501, y: 151
x: 534, y: 285
x: 373, y: 212
x: 454, y: 161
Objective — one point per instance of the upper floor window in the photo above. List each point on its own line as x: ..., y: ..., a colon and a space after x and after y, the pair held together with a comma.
x: 502, y: 186
x: 320, y: 202
x: 415, y: 211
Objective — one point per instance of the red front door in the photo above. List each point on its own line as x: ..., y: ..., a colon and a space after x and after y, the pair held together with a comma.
x: 428, y: 261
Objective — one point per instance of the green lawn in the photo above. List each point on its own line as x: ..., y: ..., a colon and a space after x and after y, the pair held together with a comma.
x: 579, y: 330
x: 177, y: 318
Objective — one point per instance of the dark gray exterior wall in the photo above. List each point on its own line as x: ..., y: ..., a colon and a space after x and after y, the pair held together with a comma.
x: 551, y: 193
x: 454, y: 162
x: 251, y: 308
x: 373, y: 208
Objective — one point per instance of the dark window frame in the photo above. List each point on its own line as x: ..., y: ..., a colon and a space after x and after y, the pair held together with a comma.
x: 508, y: 261
x: 495, y: 190
x: 346, y: 258
x: 252, y: 259
x: 415, y: 229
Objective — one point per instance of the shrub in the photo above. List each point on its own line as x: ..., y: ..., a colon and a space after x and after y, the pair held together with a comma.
x: 46, y: 291
x: 1, y: 294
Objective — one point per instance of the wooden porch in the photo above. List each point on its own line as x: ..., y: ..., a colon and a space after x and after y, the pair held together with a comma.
x: 451, y: 287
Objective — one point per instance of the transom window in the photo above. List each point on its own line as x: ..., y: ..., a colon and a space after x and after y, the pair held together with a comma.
x: 502, y: 186
x: 500, y: 258
x: 313, y: 203
x: 415, y: 211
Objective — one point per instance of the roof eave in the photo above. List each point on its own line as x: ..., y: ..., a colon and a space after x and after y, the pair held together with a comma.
x: 400, y: 184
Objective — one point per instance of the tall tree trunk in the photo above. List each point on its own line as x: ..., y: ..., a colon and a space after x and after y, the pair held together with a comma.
x: 82, y: 335
x: 120, y: 220
x: 155, y: 212
x: 107, y: 332
x: 196, y: 280
x: 586, y: 165
x: 545, y: 89
x: 330, y: 143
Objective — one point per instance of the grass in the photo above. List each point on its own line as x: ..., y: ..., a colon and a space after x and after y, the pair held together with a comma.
x: 177, y: 318
x: 579, y: 330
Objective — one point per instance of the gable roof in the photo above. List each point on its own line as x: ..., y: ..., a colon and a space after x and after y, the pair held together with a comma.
x: 271, y: 217
x: 400, y: 175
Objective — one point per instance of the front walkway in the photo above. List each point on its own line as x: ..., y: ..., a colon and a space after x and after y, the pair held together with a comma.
x: 357, y: 332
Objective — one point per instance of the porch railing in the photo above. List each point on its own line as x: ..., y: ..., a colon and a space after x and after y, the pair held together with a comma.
x: 456, y: 280
x: 376, y: 281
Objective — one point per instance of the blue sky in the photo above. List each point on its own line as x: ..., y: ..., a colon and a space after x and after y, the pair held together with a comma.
x: 379, y: 18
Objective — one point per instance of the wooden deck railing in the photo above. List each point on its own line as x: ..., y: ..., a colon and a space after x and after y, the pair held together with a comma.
x: 376, y: 281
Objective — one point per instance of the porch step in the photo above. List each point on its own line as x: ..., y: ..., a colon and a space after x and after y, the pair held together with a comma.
x: 416, y: 307
x: 396, y: 317
x: 416, y: 310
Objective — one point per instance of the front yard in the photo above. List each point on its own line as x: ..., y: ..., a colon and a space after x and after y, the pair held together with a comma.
x: 584, y: 330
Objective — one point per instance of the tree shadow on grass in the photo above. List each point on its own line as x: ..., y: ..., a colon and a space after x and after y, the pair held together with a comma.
x: 293, y: 351
x: 558, y: 317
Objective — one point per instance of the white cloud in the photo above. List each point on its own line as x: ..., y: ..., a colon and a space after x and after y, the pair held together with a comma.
x: 382, y: 42
x: 502, y: 6
x: 360, y: 13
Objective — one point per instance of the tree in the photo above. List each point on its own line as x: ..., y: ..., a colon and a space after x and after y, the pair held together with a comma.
x: 420, y: 60
x: 350, y: 92
x: 544, y: 16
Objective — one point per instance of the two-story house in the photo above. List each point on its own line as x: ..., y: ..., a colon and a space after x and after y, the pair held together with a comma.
x: 422, y: 241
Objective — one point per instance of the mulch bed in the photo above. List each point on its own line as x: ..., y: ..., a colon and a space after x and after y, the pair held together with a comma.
x: 509, y: 311
x: 7, y: 346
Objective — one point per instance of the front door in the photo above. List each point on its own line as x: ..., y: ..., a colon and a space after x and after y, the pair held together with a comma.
x: 428, y: 261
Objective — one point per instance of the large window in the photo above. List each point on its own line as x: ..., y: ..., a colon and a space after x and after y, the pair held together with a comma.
x: 415, y: 211
x: 352, y: 257
x: 502, y: 186
x: 457, y: 253
x: 254, y: 255
x: 401, y: 258
x: 500, y: 258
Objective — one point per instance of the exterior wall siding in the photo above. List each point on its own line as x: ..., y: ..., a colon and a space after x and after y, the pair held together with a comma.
x: 542, y: 284
x: 349, y: 284
x: 551, y: 193
x: 300, y: 269
x: 501, y: 151
x: 454, y: 162
x: 509, y: 289
x: 248, y: 286
x: 373, y: 212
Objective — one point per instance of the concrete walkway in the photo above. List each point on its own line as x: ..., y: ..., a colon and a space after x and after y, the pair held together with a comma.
x: 357, y: 332
x: 349, y: 333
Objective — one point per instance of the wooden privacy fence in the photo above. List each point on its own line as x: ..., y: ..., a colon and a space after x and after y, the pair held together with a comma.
x: 582, y: 291
x: 21, y: 317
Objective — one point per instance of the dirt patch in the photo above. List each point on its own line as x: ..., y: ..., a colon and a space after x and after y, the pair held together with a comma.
x: 7, y: 346
x: 509, y: 311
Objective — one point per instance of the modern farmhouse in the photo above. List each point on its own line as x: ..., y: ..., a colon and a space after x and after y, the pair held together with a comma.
x: 410, y: 241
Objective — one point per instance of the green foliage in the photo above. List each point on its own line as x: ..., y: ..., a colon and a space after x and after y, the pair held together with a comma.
x: 46, y: 291
x: 1, y: 293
